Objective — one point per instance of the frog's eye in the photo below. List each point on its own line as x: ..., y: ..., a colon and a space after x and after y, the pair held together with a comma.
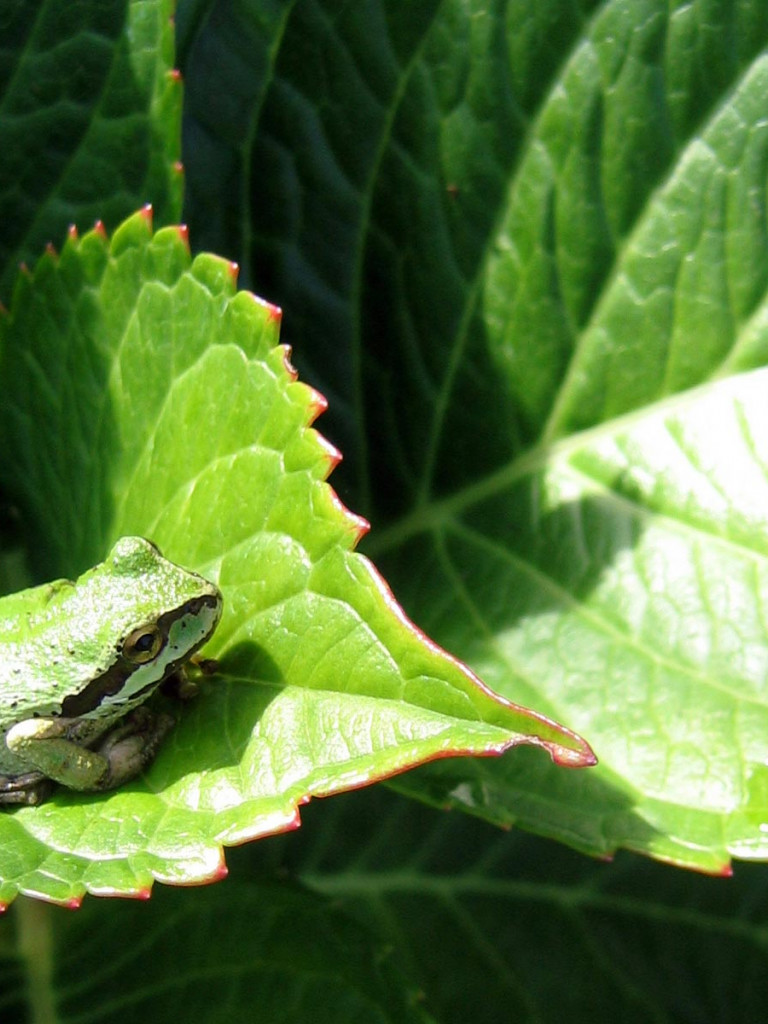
x: 143, y: 644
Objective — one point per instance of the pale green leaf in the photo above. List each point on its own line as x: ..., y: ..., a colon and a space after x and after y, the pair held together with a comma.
x: 145, y: 395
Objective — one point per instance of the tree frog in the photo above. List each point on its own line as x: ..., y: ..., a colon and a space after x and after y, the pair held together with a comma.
x: 78, y: 660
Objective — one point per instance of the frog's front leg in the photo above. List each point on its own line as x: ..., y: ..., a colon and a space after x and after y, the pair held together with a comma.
x: 51, y: 746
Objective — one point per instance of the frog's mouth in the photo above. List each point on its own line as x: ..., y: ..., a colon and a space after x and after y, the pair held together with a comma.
x: 123, y: 684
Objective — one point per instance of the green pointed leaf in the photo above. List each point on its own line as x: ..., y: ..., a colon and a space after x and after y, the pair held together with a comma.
x: 90, y: 109
x: 542, y: 248
x: 145, y: 395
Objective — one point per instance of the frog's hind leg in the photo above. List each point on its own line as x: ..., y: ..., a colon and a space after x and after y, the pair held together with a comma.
x: 28, y: 789
x: 131, y: 746
x: 54, y: 746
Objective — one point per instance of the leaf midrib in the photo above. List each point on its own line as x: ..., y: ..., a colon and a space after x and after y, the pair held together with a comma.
x: 438, y: 512
x: 447, y: 887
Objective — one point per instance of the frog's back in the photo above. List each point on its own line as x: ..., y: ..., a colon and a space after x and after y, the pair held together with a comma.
x: 18, y: 611
x: 27, y: 625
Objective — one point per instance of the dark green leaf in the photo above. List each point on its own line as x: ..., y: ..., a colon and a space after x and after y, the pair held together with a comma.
x: 260, y: 951
x: 523, y: 248
x: 89, y: 119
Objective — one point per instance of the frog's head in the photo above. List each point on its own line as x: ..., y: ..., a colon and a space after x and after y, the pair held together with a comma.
x: 141, y: 618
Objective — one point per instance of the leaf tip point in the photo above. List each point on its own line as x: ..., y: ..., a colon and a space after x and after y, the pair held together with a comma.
x: 147, y: 213
x: 183, y: 231
x: 178, y: 167
x: 318, y: 404
x: 175, y: 75
x: 580, y: 755
x: 220, y: 871
x: 332, y: 455
x: 233, y: 269
x: 274, y: 313
x: 215, y: 874
x: 569, y: 750
x: 724, y: 869
x: 72, y: 234
x: 358, y: 525
x: 99, y: 229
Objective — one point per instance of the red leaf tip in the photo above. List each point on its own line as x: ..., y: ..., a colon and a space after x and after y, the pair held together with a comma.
x: 273, y: 312
x: 580, y: 755
x: 288, y: 366
x: 72, y: 232
x: 356, y: 524
x: 318, y: 403
x: 361, y: 526
x: 175, y: 75
x: 331, y: 454
x: 234, y: 270
x: 333, y: 457
x: 99, y: 228
x: 294, y: 822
